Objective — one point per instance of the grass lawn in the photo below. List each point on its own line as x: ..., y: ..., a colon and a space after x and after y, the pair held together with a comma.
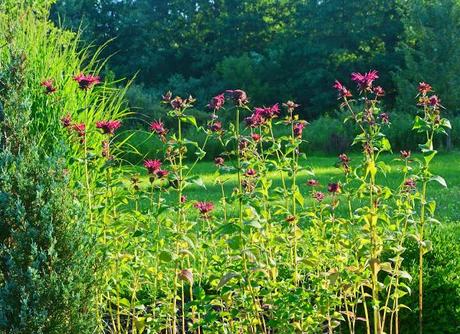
x: 446, y: 164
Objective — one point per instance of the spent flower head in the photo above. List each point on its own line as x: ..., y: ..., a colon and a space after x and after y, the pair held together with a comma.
x: 240, y: 98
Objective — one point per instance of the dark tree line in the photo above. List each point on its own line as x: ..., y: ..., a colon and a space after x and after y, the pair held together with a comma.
x: 275, y: 49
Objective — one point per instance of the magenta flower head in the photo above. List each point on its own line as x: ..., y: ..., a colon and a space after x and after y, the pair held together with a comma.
x: 183, y: 199
x: 161, y: 173
x: 158, y: 127
x: 318, y: 195
x: 313, y: 183
x: 204, y: 207
x: 152, y: 165
x: 108, y: 127
x: 410, y: 184
x: 217, y: 102
x: 219, y: 161
x: 333, y: 188
x: 239, y: 96
x: 254, y: 121
x: 250, y: 172
x: 424, y: 88
x: 267, y: 113
x: 66, y: 121
x: 405, y: 154
x: 85, y: 82
x: 378, y: 91
x: 298, y: 129
x: 177, y: 103
x: 385, y: 118
x: 256, y: 137
x: 49, y: 86
x: 80, y: 129
x: 365, y: 81
x: 343, y: 91
x: 434, y: 101
x: 216, y: 127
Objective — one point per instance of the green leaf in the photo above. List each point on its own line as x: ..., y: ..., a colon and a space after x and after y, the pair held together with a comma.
x: 199, y: 182
x: 299, y: 198
x: 166, y: 256
x: 440, y: 180
x: 445, y: 123
x: 140, y: 324
x: 427, y: 246
x: 253, y: 223
x: 235, y: 242
x: 385, y: 145
x: 189, y: 119
x: 226, y: 278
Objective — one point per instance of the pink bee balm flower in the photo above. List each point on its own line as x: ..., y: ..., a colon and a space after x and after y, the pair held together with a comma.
x: 434, y: 101
x: 217, y: 102
x: 343, y: 91
x: 268, y: 112
x: 256, y: 137
x: 313, y: 183
x: 216, y: 126
x: 108, y: 127
x: 378, y: 91
x: 161, y: 173
x: 177, y: 103
x: 318, y: 195
x: 80, y: 129
x: 333, y: 187
x: 204, y: 207
x: 250, y: 172
x: 254, y: 121
x: 239, y: 96
x: 385, y: 118
x: 49, y: 87
x: 405, y: 154
x: 86, y: 81
x: 364, y: 81
x: 424, y: 88
x: 410, y: 184
x: 219, y: 161
x: 66, y: 121
x: 298, y: 129
x: 152, y: 165
x: 158, y: 127
x: 183, y: 199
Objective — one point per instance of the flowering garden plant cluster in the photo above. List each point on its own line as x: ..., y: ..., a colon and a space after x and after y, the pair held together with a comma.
x: 275, y: 251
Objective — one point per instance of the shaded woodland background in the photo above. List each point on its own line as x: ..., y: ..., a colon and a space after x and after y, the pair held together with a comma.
x: 277, y: 50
